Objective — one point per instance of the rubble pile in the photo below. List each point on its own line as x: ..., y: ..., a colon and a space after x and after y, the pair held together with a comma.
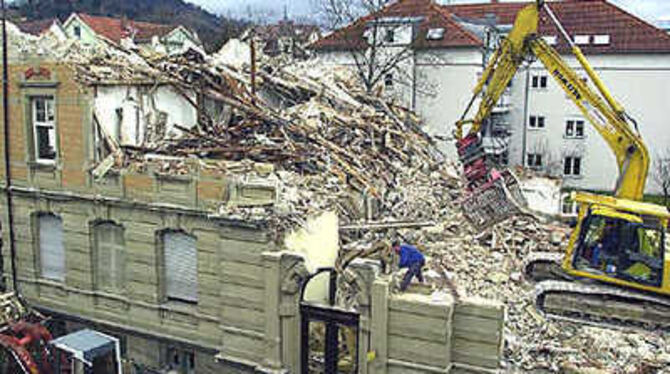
x: 490, y: 264
x: 326, y: 144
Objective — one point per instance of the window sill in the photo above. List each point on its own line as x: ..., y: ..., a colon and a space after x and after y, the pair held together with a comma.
x: 536, y: 128
x: 43, y: 166
x: 574, y: 137
x: 175, y: 305
x: 573, y: 176
x: 38, y: 84
x: 52, y: 282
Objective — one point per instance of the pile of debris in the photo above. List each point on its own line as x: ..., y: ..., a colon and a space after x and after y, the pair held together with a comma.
x: 327, y: 144
x: 490, y: 265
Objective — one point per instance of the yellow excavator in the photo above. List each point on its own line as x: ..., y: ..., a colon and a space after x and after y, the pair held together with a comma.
x: 615, y: 270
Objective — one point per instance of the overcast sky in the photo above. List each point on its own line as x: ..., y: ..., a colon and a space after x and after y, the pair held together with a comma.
x: 652, y: 10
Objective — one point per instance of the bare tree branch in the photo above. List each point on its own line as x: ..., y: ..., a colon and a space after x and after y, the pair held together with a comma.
x: 369, y: 36
x: 661, y: 174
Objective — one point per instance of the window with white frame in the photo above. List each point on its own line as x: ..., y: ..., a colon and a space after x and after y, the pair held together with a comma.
x: 52, y: 252
x: 389, y: 37
x: 44, y: 129
x: 534, y: 160
x: 572, y: 166
x: 574, y: 128
x: 539, y: 81
x: 110, y: 256
x: 536, y: 122
x: 582, y: 39
x: 77, y: 32
x: 550, y: 39
x: 181, y: 267
x: 435, y: 34
x: 603, y: 39
x: 388, y: 80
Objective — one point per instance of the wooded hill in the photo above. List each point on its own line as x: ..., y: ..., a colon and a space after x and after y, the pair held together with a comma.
x: 213, y: 30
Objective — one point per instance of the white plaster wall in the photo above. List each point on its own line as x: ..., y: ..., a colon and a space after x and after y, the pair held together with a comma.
x: 451, y: 75
x: 136, y: 103
x: 88, y: 37
x: 444, y: 82
x: 640, y: 82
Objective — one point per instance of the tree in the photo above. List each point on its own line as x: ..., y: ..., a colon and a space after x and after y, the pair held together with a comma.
x: 661, y: 174
x: 377, y: 43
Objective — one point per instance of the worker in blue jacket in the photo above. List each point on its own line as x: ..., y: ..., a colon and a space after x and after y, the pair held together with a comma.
x: 412, y: 259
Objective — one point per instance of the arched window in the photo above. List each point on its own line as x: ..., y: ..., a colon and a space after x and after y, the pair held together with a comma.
x: 52, y: 252
x: 181, y: 266
x: 110, y: 256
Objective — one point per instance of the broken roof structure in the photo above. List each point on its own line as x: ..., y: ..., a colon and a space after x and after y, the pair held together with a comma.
x: 325, y: 143
x: 38, y: 27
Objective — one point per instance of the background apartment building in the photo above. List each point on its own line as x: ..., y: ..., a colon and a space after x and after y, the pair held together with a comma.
x: 535, y: 124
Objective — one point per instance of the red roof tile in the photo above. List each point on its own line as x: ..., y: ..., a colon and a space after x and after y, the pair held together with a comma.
x: 433, y: 16
x: 115, y: 29
x: 36, y: 27
x: 628, y: 33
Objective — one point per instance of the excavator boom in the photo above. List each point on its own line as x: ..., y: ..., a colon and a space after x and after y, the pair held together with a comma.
x: 493, y: 195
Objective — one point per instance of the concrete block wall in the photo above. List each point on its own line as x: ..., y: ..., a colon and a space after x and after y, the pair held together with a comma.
x: 415, y: 333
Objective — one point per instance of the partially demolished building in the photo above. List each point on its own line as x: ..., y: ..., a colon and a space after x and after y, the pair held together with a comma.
x: 160, y: 200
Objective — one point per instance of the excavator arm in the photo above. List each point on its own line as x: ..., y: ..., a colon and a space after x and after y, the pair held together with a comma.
x: 598, y: 106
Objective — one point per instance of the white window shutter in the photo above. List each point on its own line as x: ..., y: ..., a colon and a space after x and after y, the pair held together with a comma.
x: 52, y: 252
x: 181, y: 267
x: 110, y: 252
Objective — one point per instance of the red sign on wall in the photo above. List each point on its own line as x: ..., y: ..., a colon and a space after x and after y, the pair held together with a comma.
x: 40, y: 72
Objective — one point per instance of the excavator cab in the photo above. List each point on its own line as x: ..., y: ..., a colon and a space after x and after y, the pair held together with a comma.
x: 622, y: 246
x: 619, y: 241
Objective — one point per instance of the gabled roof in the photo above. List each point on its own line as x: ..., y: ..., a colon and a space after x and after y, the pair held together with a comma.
x: 627, y: 32
x: 116, y: 29
x: 37, y: 27
x: 432, y: 16
x: 286, y: 28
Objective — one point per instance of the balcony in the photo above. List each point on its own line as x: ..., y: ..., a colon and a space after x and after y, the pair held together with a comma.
x: 504, y: 105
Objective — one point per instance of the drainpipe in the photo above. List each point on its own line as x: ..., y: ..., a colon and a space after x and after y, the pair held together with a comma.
x: 8, y: 178
x: 414, y: 72
x: 525, y: 117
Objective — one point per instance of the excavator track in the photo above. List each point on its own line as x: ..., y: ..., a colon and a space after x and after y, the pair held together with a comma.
x: 601, y: 305
x: 558, y: 296
x: 540, y: 266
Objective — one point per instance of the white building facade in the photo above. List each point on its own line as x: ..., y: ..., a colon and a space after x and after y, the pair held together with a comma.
x: 535, y: 125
